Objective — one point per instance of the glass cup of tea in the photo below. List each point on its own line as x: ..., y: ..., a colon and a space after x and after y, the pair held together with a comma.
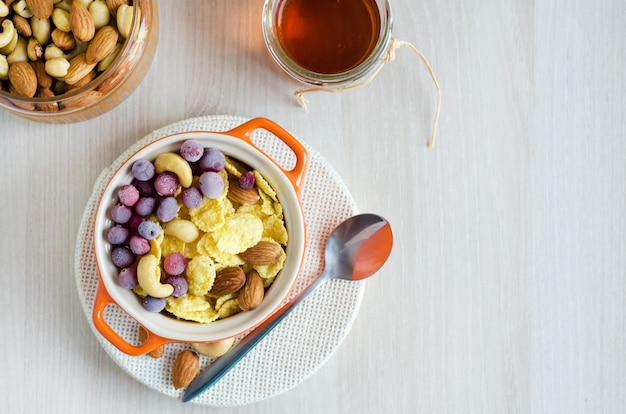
x: 328, y: 43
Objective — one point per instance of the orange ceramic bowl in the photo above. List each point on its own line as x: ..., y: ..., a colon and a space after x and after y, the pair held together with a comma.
x: 163, y: 328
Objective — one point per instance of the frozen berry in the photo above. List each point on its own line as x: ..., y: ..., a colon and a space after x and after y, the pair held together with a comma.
x: 128, y: 195
x: 191, y: 150
x: 179, y: 283
x: 127, y: 278
x: 143, y: 170
x: 191, y: 197
x: 167, y: 210
x: 175, y: 264
x: 166, y: 184
x: 122, y: 256
x: 145, y: 188
x: 149, y: 230
x: 145, y: 206
x: 212, y: 160
x: 117, y: 234
x: 247, y: 181
x: 211, y: 184
x: 134, y: 222
x: 121, y: 214
x: 152, y: 304
x: 139, y: 245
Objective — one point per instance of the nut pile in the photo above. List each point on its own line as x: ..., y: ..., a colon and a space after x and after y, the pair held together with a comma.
x: 50, y: 47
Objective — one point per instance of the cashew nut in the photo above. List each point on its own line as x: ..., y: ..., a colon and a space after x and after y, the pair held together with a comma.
x: 149, y: 277
x: 4, y: 68
x: 172, y: 162
x: 19, y: 53
x: 124, y: 19
x: 4, y: 9
x: 61, y: 19
x: 21, y: 8
x: 183, y: 230
x: 57, y: 67
x: 8, y: 31
x: 100, y: 13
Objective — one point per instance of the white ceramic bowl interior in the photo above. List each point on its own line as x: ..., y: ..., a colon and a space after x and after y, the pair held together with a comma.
x: 179, y: 330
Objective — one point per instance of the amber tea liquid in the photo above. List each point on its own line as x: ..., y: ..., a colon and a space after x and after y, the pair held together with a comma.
x: 327, y: 36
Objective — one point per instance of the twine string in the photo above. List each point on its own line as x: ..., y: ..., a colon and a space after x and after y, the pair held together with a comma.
x: 387, y: 58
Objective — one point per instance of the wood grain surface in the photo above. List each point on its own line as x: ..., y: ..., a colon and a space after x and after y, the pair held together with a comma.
x: 506, y: 289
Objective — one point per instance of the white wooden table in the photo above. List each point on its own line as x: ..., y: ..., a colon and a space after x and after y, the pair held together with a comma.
x: 506, y: 289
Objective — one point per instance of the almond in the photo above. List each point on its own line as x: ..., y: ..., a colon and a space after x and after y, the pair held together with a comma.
x: 40, y: 8
x: 113, y: 5
x: 82, y: 81
x: 82, y: 100
x: 156, y: 352
x: 78, y: 69
x: 263, y: 253
x: 23, y: 78
x: 185, y: 368
x: 102, y: 44
x: 44, y: 80
x: 63, y: 40
x: 252, y: 293
x: 22, y: 26
x: 240, y: 195
x: 46, y: 106
x: 81, y: 22
x: 228, y: 280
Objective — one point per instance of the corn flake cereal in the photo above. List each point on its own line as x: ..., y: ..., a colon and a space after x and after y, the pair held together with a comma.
x: 200, y: 275
x: 240, y: 232
x: 212, y: 214
x: 264, y: 185
x: 229, y: 308
x: 234, y: 168
x: 226, y: 229
x: 193, y: 308
x: 207, y: 245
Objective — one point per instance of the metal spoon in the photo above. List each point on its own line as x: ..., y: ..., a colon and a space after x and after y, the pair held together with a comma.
x: 355, y: 250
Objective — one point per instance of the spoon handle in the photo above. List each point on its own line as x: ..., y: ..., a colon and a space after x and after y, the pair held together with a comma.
x: 218, y: 368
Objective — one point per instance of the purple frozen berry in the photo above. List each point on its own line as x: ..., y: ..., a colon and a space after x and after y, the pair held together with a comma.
x: 117, y: 234
x: 143, y: 170
x: 121, y: 214
x: 128, y: 195
x: 166, y: 184
x: 127, y: 278
x: 191, y: 150
x: 145, y: 206
x: 212, y: 160
x: 191, y: 197
x: 179, y: 283
x: 145, y: 188
x: 247, y: 181
x: 167, y: 210
x: 211, y: 184
x: 152, y: 304
x: 149, y: 230
x: 175, y: 264
x: 134, y: 222
x: 139, y: 245
x: 122, y: 256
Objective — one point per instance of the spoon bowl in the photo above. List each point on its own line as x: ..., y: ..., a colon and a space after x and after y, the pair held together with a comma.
x: 355, y: 250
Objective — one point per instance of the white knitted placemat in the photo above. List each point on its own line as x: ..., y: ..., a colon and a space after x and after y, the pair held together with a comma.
x: 298, y: 346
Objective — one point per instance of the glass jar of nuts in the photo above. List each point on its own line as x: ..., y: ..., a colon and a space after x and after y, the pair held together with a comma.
x: 65, y: 61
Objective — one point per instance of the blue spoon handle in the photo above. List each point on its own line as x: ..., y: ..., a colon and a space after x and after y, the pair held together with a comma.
x: 223, y: 364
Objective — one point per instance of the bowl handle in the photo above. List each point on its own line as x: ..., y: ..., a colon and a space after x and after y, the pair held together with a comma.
x: 295, y: 175
x: 100, y: 303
